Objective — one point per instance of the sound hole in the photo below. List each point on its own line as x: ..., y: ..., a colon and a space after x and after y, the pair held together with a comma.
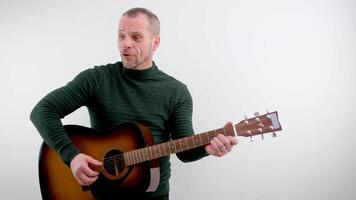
x: 114, y: 162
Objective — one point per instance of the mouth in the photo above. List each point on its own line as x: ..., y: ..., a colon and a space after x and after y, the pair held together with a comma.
x: 127, y: 55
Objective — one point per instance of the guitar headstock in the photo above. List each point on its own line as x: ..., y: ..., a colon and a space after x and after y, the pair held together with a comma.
x: 259, y: 125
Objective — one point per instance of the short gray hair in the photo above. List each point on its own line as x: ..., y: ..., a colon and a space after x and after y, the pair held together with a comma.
x: 152, y: 18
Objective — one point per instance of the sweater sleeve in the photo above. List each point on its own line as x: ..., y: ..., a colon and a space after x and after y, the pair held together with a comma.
x: 182, y: 124
x: 47, y: 114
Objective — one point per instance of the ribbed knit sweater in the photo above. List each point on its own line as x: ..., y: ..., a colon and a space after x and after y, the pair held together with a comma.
x: 114, y: 94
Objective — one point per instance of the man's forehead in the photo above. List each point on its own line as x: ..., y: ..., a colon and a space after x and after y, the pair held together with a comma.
x: 139, y: 21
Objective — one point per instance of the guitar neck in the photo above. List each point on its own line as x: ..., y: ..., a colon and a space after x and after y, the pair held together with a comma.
x: 247, y: 128
x: 174, y: 146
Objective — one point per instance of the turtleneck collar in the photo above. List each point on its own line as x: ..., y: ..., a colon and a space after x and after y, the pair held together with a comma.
x: 140, y: 74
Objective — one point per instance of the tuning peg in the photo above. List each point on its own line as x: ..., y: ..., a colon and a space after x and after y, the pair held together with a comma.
x: 261, y: 132
x: 246, y: 120
x: 274, y: 134
x: 258, y: 120
x: 249, y: 133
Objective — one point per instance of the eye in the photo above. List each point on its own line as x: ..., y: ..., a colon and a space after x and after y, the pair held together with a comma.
x: 121, y: 36
x: 137, y: 37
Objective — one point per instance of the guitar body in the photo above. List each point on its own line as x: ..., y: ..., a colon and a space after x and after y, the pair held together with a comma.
x: 115, y: 179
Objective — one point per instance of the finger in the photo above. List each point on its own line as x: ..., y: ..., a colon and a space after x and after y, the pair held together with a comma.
x: 229, y: 123
x: 225, y: 141
x: 87, y: 171
x: 221, y: 148
x: 218, y: 142
x: 215, y: 149
x: 233, y: 140
x: 214, y: 145
x: 92, y: 161
x: 85, y: 180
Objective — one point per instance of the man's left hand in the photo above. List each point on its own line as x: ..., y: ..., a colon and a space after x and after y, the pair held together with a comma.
x: 221, y: 145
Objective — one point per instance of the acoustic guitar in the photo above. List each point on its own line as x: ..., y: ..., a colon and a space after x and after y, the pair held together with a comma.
x: 129, y: 157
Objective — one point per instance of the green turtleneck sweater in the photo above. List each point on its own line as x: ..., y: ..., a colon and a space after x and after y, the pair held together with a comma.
x: 113, y: 95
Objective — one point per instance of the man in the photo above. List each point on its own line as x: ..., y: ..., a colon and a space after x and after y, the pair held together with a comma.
x: 133, y: 90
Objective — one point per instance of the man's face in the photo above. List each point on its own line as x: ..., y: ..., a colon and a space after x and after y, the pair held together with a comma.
x: 136, y: 42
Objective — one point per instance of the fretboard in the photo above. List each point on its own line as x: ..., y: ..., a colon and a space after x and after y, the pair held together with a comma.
x: 174, y: 146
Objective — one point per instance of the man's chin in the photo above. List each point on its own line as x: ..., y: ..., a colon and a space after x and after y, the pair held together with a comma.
x: 129, y: 65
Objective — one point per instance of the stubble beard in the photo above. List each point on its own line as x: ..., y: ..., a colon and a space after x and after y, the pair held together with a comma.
x: 135, y: 63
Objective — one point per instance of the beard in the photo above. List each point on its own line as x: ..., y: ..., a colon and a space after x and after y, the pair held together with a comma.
x: 129, y: 62
x: 133, y: 61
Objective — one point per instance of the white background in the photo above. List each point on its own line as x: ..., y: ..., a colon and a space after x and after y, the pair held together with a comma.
x: 237, y: 57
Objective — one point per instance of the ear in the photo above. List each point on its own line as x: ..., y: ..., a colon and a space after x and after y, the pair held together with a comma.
x: 156, y: 42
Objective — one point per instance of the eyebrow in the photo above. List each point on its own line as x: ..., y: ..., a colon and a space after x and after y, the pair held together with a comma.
x: 134, y: 32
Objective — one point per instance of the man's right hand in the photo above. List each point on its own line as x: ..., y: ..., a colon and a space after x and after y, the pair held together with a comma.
x: 80, y: 166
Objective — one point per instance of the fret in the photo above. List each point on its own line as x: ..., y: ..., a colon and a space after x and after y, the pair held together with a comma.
x: 208, y: 140
x: 139, y: 155
x: 186, y: 143
x: 204, y: 138
x: 181, y: 146
x: 172, y: 146
x: 159, y: 151
x: 169, y: 150
x: 175, y: 147
x: 144, y: 155
x: 130, y: 157
x: 155, y: 150
x: 212, y: 134
x: 166, y: 148
x: 190, y: 142
x: 158, y: 148
x: 133, y: 157
x: 178, y: 148
x: 152, y: 149
x: 150, y: 152
x: 201, y: 142
x: 196, y: 141
x: 139, y: 152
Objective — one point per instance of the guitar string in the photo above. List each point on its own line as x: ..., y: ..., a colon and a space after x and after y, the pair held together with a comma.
x: 146, y: 154
x: 110, y: 163
x: 137, y: 157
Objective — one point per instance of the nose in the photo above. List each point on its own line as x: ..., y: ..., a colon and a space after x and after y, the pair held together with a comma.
x: 125, y: 43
